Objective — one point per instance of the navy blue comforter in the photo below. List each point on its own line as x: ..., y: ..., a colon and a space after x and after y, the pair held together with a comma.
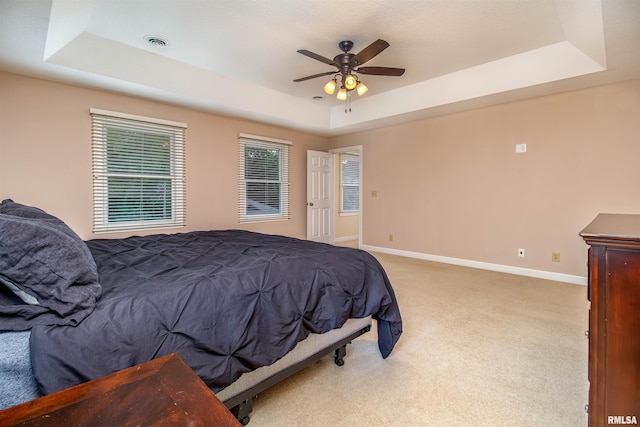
x: 227, y: 301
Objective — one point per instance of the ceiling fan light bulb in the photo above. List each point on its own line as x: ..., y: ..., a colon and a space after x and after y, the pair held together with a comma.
x: 342, y: 94
x: 361, y: 89
x: 330, y: 87
x: 350, y: 82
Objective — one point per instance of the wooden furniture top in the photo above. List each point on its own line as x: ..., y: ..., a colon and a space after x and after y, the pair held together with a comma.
x: 164, y: 391
x: 613, y: 228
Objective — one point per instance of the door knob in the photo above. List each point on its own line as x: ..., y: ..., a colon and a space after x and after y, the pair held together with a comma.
x: 310, y: 203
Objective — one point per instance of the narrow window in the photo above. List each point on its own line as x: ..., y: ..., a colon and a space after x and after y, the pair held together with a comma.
x: 349, y: 183
x: 264, y: 179
x: 138, y: 172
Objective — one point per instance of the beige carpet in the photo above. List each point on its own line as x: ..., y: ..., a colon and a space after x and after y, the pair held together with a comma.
x: 479, y: 348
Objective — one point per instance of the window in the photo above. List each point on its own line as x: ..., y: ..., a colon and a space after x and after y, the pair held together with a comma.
x: 349, y: 183
x: 264, y: 179
x: 138, y: 172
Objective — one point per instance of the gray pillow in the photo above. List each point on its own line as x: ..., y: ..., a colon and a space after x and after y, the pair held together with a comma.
x: 46, y: 265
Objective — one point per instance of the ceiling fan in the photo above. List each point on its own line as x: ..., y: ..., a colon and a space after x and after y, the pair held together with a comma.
x: 348, y: 64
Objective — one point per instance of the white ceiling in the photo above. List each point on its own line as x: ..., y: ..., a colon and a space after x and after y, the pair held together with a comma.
x: 238, y: 57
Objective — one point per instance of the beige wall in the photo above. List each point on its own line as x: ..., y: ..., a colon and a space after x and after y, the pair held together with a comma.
x: 453, y: 186
x: 45, y: 155
x: 347, y: 226
x: 450, y: 186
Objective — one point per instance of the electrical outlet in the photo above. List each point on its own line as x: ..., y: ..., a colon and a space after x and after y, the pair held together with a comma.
x: 521, y: 252
x: 555, y: 256
x: 374, y: 193
x: 391, y: 237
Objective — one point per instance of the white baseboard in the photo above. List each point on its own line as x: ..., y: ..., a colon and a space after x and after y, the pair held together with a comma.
x: 345, y: 238
x: 548, y: 275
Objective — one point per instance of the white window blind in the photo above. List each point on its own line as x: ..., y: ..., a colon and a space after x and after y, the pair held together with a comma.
x: 264, y: 179
x: 138, y: 172
x: 349, y: 183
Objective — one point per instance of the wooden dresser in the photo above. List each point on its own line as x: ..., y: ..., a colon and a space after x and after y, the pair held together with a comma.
x: 614, y: 319
x: 163, y: 392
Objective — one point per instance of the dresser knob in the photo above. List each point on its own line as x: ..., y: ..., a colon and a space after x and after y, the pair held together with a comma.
x: 586, y: 408
x: 586, y: 333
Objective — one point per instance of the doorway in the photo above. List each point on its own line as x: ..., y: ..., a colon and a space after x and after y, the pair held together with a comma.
x: 348, y: 196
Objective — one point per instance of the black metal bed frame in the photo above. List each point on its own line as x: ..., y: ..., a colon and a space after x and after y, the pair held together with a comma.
x: 241, y: 404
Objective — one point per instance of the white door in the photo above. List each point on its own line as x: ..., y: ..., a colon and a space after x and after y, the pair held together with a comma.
x: 320, y: 196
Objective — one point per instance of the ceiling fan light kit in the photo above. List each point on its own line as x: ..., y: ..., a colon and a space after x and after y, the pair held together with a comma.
x: 347, y: 65
x: 350, y: 82
x: 361, y: 89
x: 330, y: 87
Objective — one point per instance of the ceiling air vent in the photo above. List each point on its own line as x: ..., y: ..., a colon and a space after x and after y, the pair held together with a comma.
x: 156, y: 41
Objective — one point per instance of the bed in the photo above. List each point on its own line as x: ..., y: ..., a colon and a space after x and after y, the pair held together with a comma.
x: 243, y: 309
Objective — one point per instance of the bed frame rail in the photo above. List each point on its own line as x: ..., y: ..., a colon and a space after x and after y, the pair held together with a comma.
x: 241, y: 404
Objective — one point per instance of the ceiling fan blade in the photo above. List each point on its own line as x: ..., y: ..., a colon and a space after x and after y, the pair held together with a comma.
x: 301, y: 79
x: 317, y: 57
x: 370, y: 51
x: 380, y: 71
